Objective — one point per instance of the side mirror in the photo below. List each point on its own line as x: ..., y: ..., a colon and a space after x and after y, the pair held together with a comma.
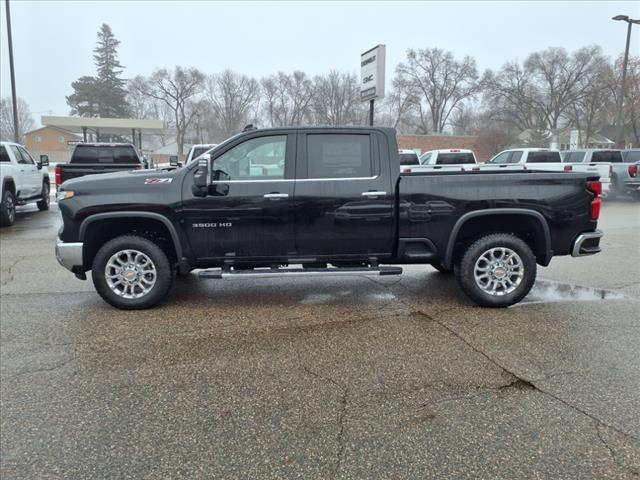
x: 44, y: 160
x: 173, y: 161
x: 200, y: 180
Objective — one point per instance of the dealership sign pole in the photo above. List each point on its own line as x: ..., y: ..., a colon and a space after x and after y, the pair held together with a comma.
x: 372, y: 66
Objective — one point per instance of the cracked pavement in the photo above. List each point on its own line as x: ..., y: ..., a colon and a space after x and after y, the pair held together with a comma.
x: 343, y: 377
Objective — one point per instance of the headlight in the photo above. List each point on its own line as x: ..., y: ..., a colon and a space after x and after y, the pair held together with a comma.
x: 63, y: 194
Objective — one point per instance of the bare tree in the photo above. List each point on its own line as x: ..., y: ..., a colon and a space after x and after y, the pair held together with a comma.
x: 232, y: 98
x: 179, y: 91
x: 287, y: 98
x: 25, y: 120
x: 442, y: 81
x: 589, y: 112
x: 336, y: 100
x: 631, y: 106
x: 560, y: 79
x: 510, y: 96
x: 399, y: 108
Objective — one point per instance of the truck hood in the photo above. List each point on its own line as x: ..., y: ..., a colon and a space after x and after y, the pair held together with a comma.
x: 123, y: 181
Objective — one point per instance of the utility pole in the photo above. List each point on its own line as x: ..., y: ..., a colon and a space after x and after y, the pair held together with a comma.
x: 16, y: 134
x: 621, y: 140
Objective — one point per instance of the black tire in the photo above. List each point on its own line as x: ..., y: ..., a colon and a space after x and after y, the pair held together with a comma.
x: 465, y: 271
x: 163, y: 270
x: 43, y: 204
x: 439, y: 267
x: 8, y: 209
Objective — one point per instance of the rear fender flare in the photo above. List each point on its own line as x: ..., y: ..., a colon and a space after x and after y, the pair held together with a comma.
x: 448, y: 259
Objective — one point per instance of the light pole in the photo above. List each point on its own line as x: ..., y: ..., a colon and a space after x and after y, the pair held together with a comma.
x: 16, y: 134
x: 620, y: 141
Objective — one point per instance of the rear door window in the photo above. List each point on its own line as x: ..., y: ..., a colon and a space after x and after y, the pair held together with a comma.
x: 339, y: 156
x: 457, y: 158
x: 544, y: 157
x: 4, y: 156
x: 609, y: 156
x: 515, y: 157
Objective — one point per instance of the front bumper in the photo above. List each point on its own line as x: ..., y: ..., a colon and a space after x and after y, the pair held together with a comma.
x: 69, y: 255
x: 587, y: 243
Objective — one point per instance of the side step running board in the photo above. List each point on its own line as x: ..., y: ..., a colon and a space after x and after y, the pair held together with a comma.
x: 217, y: 273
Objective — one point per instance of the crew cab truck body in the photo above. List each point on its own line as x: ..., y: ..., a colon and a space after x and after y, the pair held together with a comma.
x: 454, y: 159
x: 24, y: 180
x: 98, y: 158
x: 334, y: 202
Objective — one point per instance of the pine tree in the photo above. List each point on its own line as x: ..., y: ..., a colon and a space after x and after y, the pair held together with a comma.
x: 103, y: 95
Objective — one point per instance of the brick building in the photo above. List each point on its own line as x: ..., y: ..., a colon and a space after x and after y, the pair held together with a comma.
x: 423, y: 143
x: 53, y: 141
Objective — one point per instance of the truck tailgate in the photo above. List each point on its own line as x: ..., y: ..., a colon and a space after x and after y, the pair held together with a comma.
x: 70, y: 171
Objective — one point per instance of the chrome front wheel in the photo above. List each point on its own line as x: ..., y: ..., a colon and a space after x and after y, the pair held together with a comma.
x: 130, y: 274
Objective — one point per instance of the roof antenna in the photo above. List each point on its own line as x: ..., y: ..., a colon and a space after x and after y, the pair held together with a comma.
x: 249, y: 128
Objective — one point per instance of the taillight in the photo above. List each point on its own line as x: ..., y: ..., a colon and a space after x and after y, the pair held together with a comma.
x: 596, y: 189
x: 58, y: 175
x: 633, y: 171
x: 568, y: 168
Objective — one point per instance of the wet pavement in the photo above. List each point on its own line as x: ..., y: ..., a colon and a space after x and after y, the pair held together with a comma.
x: 342, y: 377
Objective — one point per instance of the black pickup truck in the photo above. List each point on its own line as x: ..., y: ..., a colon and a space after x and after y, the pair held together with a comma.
x: 329, y: 200
x: 95, y: 158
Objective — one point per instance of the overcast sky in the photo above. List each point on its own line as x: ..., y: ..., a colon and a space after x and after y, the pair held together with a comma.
x: 53, y: 40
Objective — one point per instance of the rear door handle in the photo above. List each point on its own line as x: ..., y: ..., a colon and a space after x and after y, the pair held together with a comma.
x: 373, y: 194
x: 275, y: 196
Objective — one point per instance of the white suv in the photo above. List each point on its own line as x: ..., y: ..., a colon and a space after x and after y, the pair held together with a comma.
x: 23, y: 181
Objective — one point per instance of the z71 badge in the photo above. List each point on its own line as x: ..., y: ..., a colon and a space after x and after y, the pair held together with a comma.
x: 156, y: 181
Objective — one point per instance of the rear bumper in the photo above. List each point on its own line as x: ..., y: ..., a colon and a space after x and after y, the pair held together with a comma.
x: 587, y: 243
x: 69, y: 255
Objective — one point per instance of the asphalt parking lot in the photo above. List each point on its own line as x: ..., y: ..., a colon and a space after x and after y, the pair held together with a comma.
x: 346, y: 377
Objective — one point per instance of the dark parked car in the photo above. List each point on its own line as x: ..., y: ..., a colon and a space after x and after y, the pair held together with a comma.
x: 329, y: 199
x: 94, y: 158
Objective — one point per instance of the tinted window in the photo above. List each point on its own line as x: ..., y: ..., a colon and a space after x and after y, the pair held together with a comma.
x: 338, y: 156
x: 631, y: 156
x: 573, y: 157
x: 409, y: 159
x: 454, y: 158
x: 515, y: 157
x: 610, y: 156
x: 105, y: 154
x: 502, y: 158
x: 4, y: 156
x: 255, y: 159
x: 544, y: 157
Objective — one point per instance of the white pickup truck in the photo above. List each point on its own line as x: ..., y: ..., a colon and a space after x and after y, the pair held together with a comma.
x: 446, y: 160
x: 544, y: 159
x: 197, y: 150
x: 597, y: 160
x: 23, y: 181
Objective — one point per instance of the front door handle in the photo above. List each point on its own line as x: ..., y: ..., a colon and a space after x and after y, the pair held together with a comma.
x: 275, y: 196
x: 373, y: 194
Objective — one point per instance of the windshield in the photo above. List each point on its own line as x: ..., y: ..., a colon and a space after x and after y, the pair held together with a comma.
x: 609, y: 156
x: 455, y: 158
x: 544, y: 157
x: 409, y: 159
